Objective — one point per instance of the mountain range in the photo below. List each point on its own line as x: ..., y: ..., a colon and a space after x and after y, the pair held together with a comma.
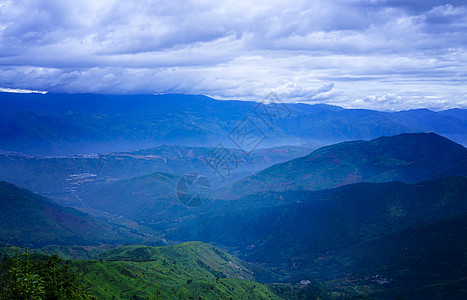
x: 407, y: 157
x: 312, y: 223
x: 387, y: 239
x: 321, y: 202
x: 62, y: 178
x: 65, y: 124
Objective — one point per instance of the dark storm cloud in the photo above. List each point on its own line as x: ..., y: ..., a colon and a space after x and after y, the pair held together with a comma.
x: 351, y: 53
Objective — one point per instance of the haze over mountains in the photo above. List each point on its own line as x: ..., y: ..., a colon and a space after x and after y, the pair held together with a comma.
x: 64, y: 124
x: 380, y: 215
x: 407, y: 158
x: 63, y: 178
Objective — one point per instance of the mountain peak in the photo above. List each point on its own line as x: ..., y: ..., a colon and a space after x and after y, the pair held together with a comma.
x: 408, y: 158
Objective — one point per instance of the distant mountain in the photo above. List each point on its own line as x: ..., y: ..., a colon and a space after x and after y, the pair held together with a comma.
x: 407, y: 157
x: 281, y: 226
x: 63, y: 124
x: 150, y: 198
x: 64, y: 178
x: 456, y: 112
x: 449, y: 123
x: 27, y: 219
x: 153, y: 199
x: 62, y: 251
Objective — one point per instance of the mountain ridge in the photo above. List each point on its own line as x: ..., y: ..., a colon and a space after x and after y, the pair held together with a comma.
x: 66, y: 124
x: 407, y: 157
x: 28, y: 219
x: 312, y: 223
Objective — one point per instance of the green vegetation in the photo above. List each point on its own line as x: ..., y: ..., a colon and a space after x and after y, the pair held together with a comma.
x: 64, y: 252
x: 27, y: 219
x: 340, y: 236
x: 313, y: 223
x: 40, y: 278
x: 190, y: 270
x: 426, y: 261
x: 408, y: 158
x: 174, y: 272
x: 393, y: 224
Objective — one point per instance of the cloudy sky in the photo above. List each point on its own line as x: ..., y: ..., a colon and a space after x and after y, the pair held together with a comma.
x: 378, y: 54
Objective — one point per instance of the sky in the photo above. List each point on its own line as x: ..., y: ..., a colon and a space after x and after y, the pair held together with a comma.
x: 373, y: 54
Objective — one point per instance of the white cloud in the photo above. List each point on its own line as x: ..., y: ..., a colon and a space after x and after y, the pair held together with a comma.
x: 20, y: 91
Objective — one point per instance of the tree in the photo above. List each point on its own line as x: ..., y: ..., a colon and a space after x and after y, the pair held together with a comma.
x: 47, y: 278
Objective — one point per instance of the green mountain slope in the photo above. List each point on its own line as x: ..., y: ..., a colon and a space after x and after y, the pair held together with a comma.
x: 276, y: 227
x: 383, y: 240
x: 408, y: 158
x: 29, y: 219
x: 427, y: 261
x: 187, y: 271
x: 192, y: 270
